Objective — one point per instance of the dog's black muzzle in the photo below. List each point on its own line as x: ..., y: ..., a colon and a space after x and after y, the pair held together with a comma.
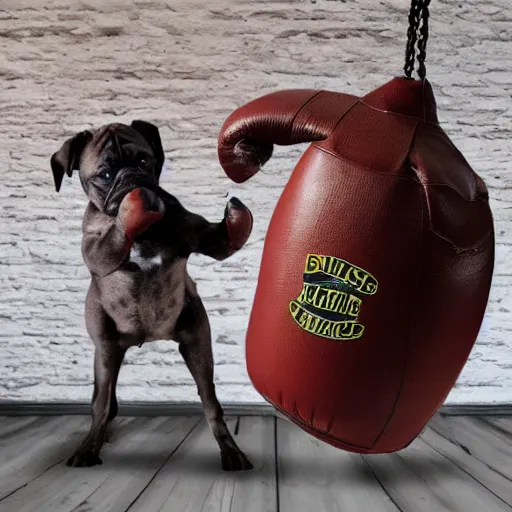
x: 126, y: 180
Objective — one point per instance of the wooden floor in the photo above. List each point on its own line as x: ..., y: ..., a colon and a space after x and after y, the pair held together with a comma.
x: 171, y: 464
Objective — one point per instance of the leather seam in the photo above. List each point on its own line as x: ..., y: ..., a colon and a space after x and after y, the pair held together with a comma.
x: 475, y: 176
x: 457, y: 249
x: 356, y: 102
x: 366, y: 169
x: 413, y: 322
x: 414, y: 134
x: 317, y: 431
x: 311, y: 98
x: 390, y: 112
x: 476, y: 199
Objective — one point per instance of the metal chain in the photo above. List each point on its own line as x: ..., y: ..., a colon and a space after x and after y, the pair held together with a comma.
x: 422, y: 41
x: 417, y: 35
x: 414, y: 19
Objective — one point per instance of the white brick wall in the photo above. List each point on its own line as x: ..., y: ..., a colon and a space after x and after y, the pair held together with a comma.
x: 185, y: 65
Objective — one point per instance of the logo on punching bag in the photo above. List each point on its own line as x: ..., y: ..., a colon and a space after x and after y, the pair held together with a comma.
x: 331, y: 297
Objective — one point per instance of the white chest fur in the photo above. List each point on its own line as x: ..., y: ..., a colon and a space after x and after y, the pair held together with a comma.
x: 143, y: 262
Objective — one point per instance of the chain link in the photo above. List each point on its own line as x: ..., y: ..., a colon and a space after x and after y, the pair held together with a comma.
x: 417, y: 35
x: 422, y: 41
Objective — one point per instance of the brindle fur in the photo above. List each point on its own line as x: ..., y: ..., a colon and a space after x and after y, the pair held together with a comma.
x: 129, y: 302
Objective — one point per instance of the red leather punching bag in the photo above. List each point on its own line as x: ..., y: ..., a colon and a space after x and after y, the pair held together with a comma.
x: 377, y: 263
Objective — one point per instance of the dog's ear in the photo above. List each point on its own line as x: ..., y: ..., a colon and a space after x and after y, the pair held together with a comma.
x: 150, y: 132
x: 67, y: 159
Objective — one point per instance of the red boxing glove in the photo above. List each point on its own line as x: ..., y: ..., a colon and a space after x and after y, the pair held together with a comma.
x: 238, y: 219
x: 139, y: 210
x: 377, y: 263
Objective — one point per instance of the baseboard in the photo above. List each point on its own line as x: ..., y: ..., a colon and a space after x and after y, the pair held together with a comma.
x: 15, y: 408
x: 476, y: 410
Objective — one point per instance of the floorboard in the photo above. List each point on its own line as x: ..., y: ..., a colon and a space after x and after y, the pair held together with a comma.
x: 490, y: 446
x: 495, y: 482
x: 14, y: 425
x: 39, y: 446
x: 172, y: 464
x: 192, y: 480
x: 420, y: 479
x: 314, y: 476
x: 503, y: 425
x: 137, y: 463
x: 139, y: 447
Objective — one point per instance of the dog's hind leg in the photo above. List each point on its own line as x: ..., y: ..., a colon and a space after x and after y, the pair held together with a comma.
x: 193, y: 335
x: 108, y: 357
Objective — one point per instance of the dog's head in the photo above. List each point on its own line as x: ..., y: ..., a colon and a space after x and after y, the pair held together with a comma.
x: 112, y: 161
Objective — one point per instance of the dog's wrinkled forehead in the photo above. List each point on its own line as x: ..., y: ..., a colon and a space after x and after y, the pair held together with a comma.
x: 108, y: 140
x: 122, y: 132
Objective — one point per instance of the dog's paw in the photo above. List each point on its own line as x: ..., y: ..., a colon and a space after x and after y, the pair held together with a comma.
x: 235, y: 461
x: 84, y: 459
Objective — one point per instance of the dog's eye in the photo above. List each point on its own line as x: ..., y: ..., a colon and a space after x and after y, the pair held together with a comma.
x: 142, y: 163
x: 106, y: 175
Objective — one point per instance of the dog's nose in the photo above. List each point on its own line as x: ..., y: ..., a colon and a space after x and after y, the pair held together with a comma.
x: 133, y: 177
x: 126, y: 180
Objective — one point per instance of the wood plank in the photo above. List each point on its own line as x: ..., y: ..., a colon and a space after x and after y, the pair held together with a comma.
x: 316, y: 476
x: 10, y: 425
x: 255, y: 490
x: 192, y: 480
x: 25, y: 437
x: 492, y: 480
x: 490, y: 446
x: 504, y: 424
x: 419, y: 479
x: 36, y: 448
x: 44, y: 448
x: 140, y: 448
x: 137, y: 465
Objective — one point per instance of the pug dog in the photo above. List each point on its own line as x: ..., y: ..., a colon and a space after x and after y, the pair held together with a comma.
x: 136, y: 241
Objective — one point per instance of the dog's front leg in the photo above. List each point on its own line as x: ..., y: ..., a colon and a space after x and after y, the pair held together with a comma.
x: 106, y: 369
x: 108, y: 357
